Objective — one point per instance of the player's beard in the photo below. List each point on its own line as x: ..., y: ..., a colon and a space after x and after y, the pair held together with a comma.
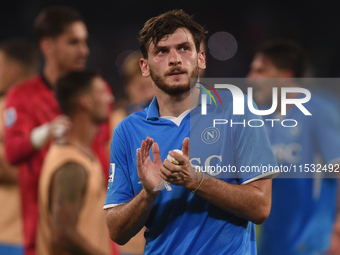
x: 76, y: 63
x: 178, y: 89
x: 99, y: 117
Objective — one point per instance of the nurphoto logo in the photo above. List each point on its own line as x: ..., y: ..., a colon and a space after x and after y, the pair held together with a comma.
x: 238, y: 99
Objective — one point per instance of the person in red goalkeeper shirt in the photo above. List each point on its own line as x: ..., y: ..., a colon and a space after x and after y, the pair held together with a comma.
x: 32, y: 115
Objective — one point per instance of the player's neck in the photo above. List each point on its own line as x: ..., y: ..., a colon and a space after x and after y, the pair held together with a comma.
x: 83, y: 130
x: 174, y: 105
x: 20, y: 79
x: 52, y: 73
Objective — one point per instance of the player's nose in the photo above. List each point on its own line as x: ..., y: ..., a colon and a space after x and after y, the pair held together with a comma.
x: 84, y: 49
x: 174, y: 58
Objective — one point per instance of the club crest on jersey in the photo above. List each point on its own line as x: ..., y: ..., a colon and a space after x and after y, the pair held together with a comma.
x: 210, y: 135
x: 10, y: 117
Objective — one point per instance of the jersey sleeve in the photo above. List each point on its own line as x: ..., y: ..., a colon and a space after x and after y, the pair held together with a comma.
x: 326, y: 130
x: 18, y: 127
x: 119, y: 185
x: 254, y: 157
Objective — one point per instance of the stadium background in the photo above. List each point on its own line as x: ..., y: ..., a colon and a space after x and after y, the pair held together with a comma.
x: 114, y: 25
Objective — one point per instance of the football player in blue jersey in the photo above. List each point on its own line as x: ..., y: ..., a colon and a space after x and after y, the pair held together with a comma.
x: 304, y: 210
x: 193, y: 215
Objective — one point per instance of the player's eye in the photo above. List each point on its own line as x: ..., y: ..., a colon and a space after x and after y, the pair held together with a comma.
x: 161, y: 52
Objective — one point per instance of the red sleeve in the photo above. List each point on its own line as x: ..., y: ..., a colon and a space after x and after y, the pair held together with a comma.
x: 102, y: 138
x: 18, y: 127
x: 105, y: 127
x: 99, y: 147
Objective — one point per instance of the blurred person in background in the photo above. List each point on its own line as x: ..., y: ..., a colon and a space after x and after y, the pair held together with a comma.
x: 33, y: 116
x: 138, y: 89
x: 71, y: 191
x: 18, y: 62
x: 304, y: 211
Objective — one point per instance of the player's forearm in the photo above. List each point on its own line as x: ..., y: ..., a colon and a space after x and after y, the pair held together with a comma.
x: 18, y: 148
x: 126, y: 220
x: 245, y: 201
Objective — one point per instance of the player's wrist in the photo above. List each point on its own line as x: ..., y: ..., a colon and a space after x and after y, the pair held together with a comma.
x: 195, y: 181
x: 150, y: 195
x: 40, y: 136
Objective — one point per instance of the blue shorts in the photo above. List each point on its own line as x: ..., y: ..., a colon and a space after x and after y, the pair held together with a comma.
x: 9, y: 249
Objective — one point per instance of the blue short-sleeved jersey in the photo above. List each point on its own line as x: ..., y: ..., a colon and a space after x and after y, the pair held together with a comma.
x: 303, y: 210
x: 180, y: 222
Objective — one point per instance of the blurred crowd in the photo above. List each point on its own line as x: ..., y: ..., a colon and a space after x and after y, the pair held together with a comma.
x: 63, y: 117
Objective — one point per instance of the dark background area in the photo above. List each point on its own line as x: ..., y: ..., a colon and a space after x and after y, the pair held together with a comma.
x: 114, y: 25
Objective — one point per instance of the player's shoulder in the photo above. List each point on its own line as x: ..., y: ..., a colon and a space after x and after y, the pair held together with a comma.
x: 230, y: 100
x: 224, y: 94
x: 131, y: 120
x: 224, y: 98
x: 229, y: 97
x: 320, y: 105
x: 26, y: 88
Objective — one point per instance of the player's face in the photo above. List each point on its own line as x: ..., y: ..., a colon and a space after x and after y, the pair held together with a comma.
x: 70, y: 49
x: 8, y: 72
x: 101, y: 100
x: 262, y: 68
x: 173, y: 61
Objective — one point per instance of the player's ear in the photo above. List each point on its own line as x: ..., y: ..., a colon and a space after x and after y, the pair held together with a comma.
x: 201, y: 60
x: 286, y: 73
x: 14, y: 69
x: 85, y: 102
x: 143, y: 63
x: 46, y: 45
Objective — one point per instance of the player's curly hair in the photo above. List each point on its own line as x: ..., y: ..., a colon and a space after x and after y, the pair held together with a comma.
x: 167, y: 23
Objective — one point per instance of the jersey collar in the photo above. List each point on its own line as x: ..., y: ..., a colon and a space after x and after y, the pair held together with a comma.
x: 48, y: 85
x: 153, y: 110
